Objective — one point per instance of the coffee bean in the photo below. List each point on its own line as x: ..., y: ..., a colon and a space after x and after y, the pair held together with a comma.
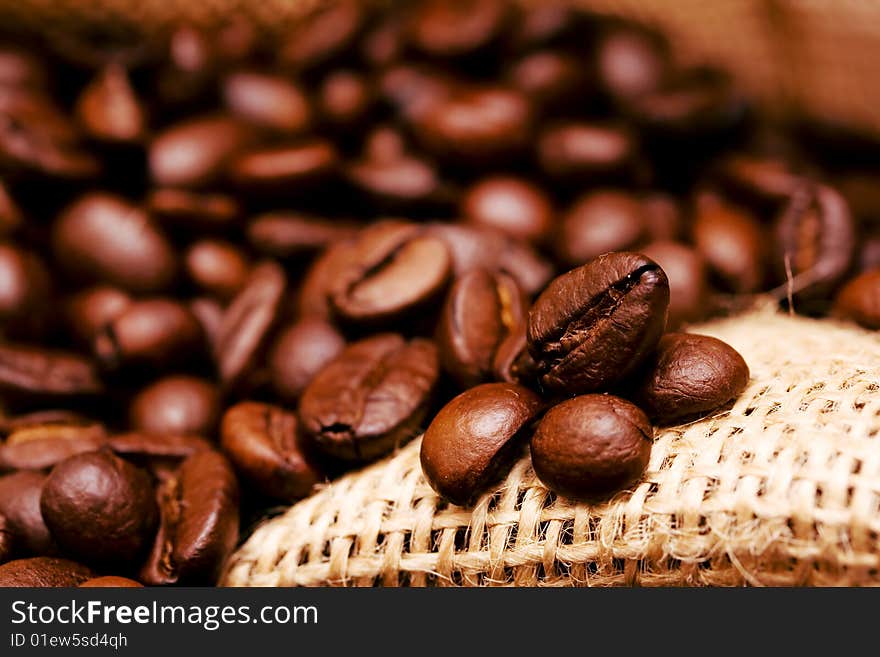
x: 216, y: 267
x: 43, y: 572
x: 322, y: 35
x: 454, y: 29
x: 10, y: 214
x: 264, y: 444
x: 21, y: 69
x: 136, y: 445
x: 511, y: 205
x: 289, y: 169
x: 313, y: 295
x: 345, y: 99
x: 869, y: 254
x: 689, y: 376
x: 176, y: 405
x: 7, y: 540
x: 9, y: 424
x: 593, y: 325
x: 199, y: 523
x: 91, y: 309
x: 548, y: 23
x: 631, y: 61
x: 688, y: 281
x: 599, y: 222
x: 209, y: 314
x: 24, y: 289
x: 512, y: 362
x: 394, y: 270
x: 20, y: 504
x: 39, y: 372
x: 194, y: 211
x: 100, y: 508
x: 579, y: 153
x: 402, y: 183
x: 371, y: 398
x: 111, y: 581
x: 765, y: 182
x: 859, y: 300
x: 554, y: 80
x: 43, y: 446
x: 108, y: 108
x: 415, y: 90
x: 267, y: 101
x: 591, y: 446
x: 479, y: 312
x: 292, y: 234
x: 474, y: 439
x: 299, y: 352
x: 383, y: 44
x: 662, y: 216
x: 102, y: 238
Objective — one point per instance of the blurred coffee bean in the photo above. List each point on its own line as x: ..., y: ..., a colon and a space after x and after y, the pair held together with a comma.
x: 24, y: 289
x: 511, y: 205
x: 193, y: 211
x: 46, y: 373
x: 631, y: 61
x: 216, y: 268
x: 461, y: 27
x: 553, y: 80
x: 293, y: 235
x: 345, y: 99
x: 313, y: 295
x: 371, y: 398
x: 512, y: 362
x: 90, y: 310
x: 21, y: 70
x: 176, y: 405
x: 599, y: 222
x: 20, y: 504
x: 688, y: 281
x: 765, y: 182
x: 404, y: 183
x: 662, y: 216
x: 11, y: 423
x: 43, y: 572
x: 383, y: 43
x: 267, y: 101
x: 187, y: 76
x: 102, y: 238
x: 7, y: 540
x: 43, y: 446
x: 111, y: 581
x: 415, y: 90
x: 578, y: 153
x: 299, y: 352
x: 859, y: 300
x: 869, y: 253
x: 109, y: 110
x: 11, y: 217
x: 264, y: 444
x: 209, y: 313
x: 551, y: 23
x: 322, y: 35
x: 292, y: 169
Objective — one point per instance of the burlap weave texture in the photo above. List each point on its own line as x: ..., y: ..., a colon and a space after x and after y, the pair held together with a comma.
x: 783, y: 488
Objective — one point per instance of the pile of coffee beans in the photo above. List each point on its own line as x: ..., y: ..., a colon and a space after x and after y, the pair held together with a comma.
x: 235, y: 265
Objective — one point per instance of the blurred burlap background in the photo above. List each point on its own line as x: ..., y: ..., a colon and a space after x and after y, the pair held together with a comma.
x: 781, y: 489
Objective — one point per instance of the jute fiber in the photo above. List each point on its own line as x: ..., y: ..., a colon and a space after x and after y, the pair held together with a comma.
x: 782, y: 488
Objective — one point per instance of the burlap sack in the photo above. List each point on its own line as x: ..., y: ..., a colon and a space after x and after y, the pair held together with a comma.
x: 781, y: 489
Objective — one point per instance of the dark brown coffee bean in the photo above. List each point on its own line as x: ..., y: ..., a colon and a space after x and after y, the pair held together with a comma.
x: 24, y: 288
x: 198, y: 211
x: 398, y: 183
x: 415, y: 90
x: 859, y: 300
x: 264, y: 444
x: 108, y: 108
x: 267, y: 101
x: 300, y: 351
x: 43, y: 572
x: 43, y: 446
x: 869, y: 254
x: 662, y: 216
x: 288, y: 169
x: 136, y: 445
x: 582, y: 152
x: 733, y: 244
x: 7, y: 540
x: 345, y: 99
x: 762, y: 181
x: 815, y: 235
x: 322, y: 35
x: 512, y: 362
x: 591, y: 446
x: 688, y: 377
x: 474, y: 439
x: 599, y: 222
x: 631, y: 62
x: 20, y: 504
x: 514, y: 206
x: 188, y: 75
x: 480, y: 310
x: 313, y: 296
x: 553, y: 80
x: 11, y: 424
x: 90, y: 310
x: 248, y: 321
x: 100, y: 508
x: 110, y: 581
x: 688, y: 281
x: 547, y: 23
x: 103, y: 238
x: 217, y: 268
x: 453, y: 29
x: 155, y: 333
x: 394, y: 269
x: 195, y: 153
x: 371, y: 398
x: 595, y: 324
x: 32, y: 371
x: 292, y: 234
x: 209, y: 313
x: 176, y: 405
x: 384, y: 43
x: 199, y: 523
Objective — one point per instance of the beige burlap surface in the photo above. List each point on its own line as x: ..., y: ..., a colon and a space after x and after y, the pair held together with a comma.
x: 782, y: 488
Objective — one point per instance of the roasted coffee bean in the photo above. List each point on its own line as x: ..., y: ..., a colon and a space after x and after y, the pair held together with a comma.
x: 453, y: 29
x: 267, y: 101
x: 512, y: 362
x: 264, y: 444
x: 91, y: 309
x: 548, y: 23
x: 313, y: 296
x: 345, y: 99
x: 322, y: 35
x: 21, y: 69
x: 111, y: 581
x: 579, y: 153
x: 24, y: 288
x: 216, y: 267
x: 209, y: 314
x: 394, y: 269
x: 553, y: 80
x: 511, y: 205
x: 100, y: 508
x: 399, y: 183
x: 869, y: 254
x: 293, y: 234
x: 109, y: 110
x: 383, y: 44
x: 481, y: 309
x: 662, y: 216
x: 43, y: 572
x: 194, y: 211
x: 43, y: 446
x: 195, y: 153
x: 688, y: 281
x: 247, y: 322
x: 815, y: 236
x: 154, y: 333
x: 689, y: 376
x: 595, y: 324
x: 415, y: 90
x: 7, y: 540
x: 765, y: 182
x: 27, y: 370
x: 859, y: 300
x: 591, y: 446
x: 289, y: 169
x: 176, y: 405
x: 135, y: 445
x: 732, y: 243
x: 103, y: 238
x: 299, y: 352
x: 631, y: 62
x: 474, y: 439
x: 199, y: 523
x: 371, y: 398
x: 20, y: 494
x: 9, y: 424
x: 186, y: 77
x: 599, y: 222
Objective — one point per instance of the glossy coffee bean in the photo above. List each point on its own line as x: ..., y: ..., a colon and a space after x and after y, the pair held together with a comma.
x: 293, y: 234
x: 43, y: 572
x: 294, y: 168
x: 689, y: 376
x: 10, y: 424
x: 91, y: 309
x: 176, y: 405
x: 27, y: 370
x: 481, y: 309
x: 662, y: 214
x: 267, y: 101
x: 198, y: 505
x: 512, y: 362
x: 313, y: 295
x: 186, y: 210
x: 394, y: 269
x: 100, y: 508
x: 110, y: 581
x: 398, y: 183
x: 454, y: 29
x: 137, y: 446
x: 859, y: 300
x: 595, y: 324
x: 688, y: 281
x: 765, y: 182
x: 548, y: 23
x: 102, y: 238
x: 24, y: 286
x: 579, y: 153
x: 511, y: 205
x: 20, y: 494
x: 416, y: 90
x: 109, y: 110
x: 631, y: 62
x: 321, y: 35
x: 216, y: 267
x: 371, y: 398
x: 599, y: 222
x: 474, y: 439
x: 299, y: 352
x: 554, y: 80
x: 247, y: 322
x: 43, y: 446
x: 591, y: 446
x: 265, y: 446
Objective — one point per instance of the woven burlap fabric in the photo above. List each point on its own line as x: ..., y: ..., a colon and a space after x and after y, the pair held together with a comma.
x: 782, y: 488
